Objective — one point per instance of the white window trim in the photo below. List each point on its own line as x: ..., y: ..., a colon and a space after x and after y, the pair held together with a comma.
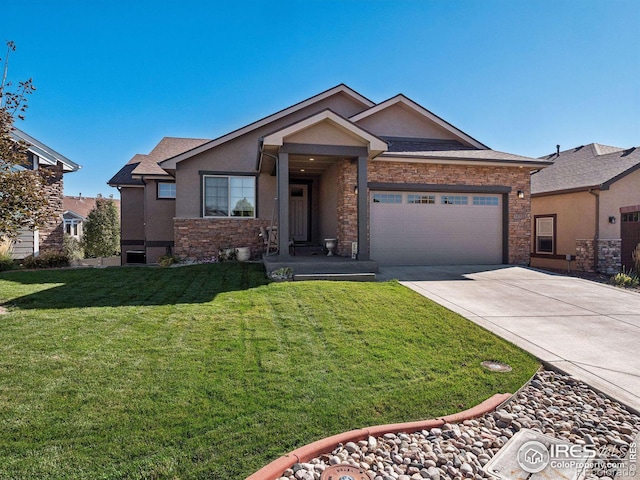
x: 228, y: 177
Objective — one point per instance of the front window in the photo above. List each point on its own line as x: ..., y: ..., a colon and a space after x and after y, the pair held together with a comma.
x: 229, y: 196
x: 545, y: 227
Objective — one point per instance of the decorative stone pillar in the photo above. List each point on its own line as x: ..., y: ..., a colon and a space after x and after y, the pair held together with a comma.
x: 52, y: 232
x: 609, y: 256
x: 585, y: 255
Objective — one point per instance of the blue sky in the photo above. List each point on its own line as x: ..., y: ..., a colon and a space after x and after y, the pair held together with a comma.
x: 114, y: 77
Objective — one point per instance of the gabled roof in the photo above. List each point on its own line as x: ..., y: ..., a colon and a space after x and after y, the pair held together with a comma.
x: 587, y: 167
x: 44, y: 153
x: 81, y: 206
x: 147, y: 165
x: 342, y: 88
x: 410, y: 104
x: 375, y: 144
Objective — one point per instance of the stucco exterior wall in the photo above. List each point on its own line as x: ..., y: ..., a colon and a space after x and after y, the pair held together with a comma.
x: 575, y: 220
x: 325, y: 134
x: 623, y: 193
x: 399, y: 121
x: 240, y: 155
x: 159, y: 214
x: 131, y: 215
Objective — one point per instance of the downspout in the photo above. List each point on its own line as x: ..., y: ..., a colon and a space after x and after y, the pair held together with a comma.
x: 596, y: 193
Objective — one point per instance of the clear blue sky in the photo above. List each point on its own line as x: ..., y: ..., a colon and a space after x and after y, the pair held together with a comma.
x: 114, y: 77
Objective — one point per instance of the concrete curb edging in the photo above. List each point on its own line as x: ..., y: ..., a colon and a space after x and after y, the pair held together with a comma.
x: 274, y: 470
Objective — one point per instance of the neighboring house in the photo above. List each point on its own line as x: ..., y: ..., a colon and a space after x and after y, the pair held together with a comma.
x: 587, y: 205
x: 75, y: 212
x: 391, y: 181
x: 49, y: 236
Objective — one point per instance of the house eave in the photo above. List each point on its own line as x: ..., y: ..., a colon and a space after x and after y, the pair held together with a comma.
x: 392, y: 157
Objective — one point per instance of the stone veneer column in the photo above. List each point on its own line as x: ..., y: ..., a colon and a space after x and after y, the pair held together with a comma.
x: 585, y: 255
x: 609, y: 256
x: 347, y: 207
x: 52, y: 232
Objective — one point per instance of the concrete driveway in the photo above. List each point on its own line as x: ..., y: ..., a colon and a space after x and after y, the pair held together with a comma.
x: 589, y: 330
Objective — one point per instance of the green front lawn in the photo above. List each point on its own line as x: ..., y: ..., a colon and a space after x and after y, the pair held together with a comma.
x: 210, y: 372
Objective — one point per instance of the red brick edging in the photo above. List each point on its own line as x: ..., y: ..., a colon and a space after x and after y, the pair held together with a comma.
x: 274, y: 470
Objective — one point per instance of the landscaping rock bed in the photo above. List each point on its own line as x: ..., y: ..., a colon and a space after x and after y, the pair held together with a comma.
x: 552, y: 403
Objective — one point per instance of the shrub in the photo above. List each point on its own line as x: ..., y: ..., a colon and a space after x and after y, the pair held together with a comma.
x: 636, y: 258
x: 168, y: 260
x: 6, y: 262
x: 625, y: 279
x: 72, y: 247
x: 46, y: 260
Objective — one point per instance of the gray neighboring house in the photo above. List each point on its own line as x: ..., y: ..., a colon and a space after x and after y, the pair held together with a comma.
x: 586, y: 205
x: 49, y: 236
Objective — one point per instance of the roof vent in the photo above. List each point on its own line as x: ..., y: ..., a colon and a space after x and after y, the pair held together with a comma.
x: 557, y: 149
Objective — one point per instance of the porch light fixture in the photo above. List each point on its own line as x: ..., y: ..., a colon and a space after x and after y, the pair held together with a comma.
x: 311, y: 159
x: 520, y: 194
x: 302, y: 169
x: 355, y: 189
x: 612, y: 219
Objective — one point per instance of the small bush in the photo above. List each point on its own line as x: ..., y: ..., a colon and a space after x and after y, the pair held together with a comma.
x: 6, y: 262
x: 168, y: 260
x: 72, y: 247
x: 636, y: 258
x: 46, y: 260
x: 625, y: 279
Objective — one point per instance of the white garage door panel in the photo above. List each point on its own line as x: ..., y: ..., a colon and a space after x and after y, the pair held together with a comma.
x: 436, y: 234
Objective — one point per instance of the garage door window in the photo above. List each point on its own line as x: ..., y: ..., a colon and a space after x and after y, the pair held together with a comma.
x: 485, y: 201
x: 454, y: 200
x: 387, y: 198
x: 426, y: 199
x: 545, y: 234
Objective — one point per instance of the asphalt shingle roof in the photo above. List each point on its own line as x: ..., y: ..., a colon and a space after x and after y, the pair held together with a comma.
x: 592, y: 165
x: 447, y: 149
x: 148, y: 164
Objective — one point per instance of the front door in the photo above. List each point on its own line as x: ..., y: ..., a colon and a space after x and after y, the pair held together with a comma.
x: 299, y: 212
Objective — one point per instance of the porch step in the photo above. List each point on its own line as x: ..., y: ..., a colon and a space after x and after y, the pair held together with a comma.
x: 346, y: 277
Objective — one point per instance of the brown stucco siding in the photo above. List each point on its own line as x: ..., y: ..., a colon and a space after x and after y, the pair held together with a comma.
x: 519, y: 223
x: 51, y: 233
x: 202, y: 238
x: 131, y: 214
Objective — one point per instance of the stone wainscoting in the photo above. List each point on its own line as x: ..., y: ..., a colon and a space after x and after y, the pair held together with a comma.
x: 585, y: 255
x: 609, y: 256
x: 200, y: 238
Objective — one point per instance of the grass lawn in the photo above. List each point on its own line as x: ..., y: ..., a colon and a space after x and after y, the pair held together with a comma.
x: 209, y: 371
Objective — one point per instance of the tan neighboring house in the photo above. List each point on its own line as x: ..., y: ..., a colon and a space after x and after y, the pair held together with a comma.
x: 391, y: 182
x: 75, y: 212
x: 49, y: 236
x: 586, y: 208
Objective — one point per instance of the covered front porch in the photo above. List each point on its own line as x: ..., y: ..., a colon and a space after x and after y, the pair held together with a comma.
x: 320, y: 165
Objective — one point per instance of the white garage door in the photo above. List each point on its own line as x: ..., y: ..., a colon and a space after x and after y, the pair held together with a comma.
x: 415, y: 228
